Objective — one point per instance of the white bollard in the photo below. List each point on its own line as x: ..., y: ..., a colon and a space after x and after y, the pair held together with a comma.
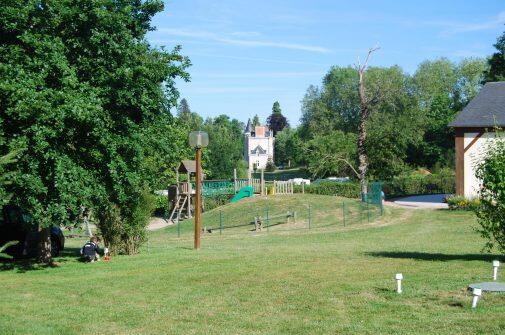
x: 398, y: 278
x: 477, y: 293
x: 496, y: 265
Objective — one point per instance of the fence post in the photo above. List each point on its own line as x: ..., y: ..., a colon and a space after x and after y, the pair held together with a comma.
x: 303, y: 187
x: 178, y: 228
x: 220, y: 222
x: 310, y: 216
x: 368, y: 210
x: 263, y: 193
x: 235, y: 180
x: 268, y: 219
x: 360, y: 212
x: 343, y: 212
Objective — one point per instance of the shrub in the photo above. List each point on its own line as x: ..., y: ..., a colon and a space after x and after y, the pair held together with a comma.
x: 270, y: 167
x: 491, y: 212
x: 160, y: 203
x: 216, y: 201
x: 124, y: 233
x: 347, y: 190
x: 460, y: 202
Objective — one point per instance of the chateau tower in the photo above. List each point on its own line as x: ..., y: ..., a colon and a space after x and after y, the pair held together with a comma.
x: 258, y: 146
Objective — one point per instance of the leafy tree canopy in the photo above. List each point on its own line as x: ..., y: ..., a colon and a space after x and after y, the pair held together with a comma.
x: 84, y: 93
x: 256, y: 120
x: 276, y: 121
x: 331, y: 155
x: 496, y: 62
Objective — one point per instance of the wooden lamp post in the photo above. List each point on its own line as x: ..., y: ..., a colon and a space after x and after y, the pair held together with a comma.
x: 198, y: 140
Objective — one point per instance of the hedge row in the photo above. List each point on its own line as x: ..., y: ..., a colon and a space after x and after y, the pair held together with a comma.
x: 420, y: 184
x: 348, y: 190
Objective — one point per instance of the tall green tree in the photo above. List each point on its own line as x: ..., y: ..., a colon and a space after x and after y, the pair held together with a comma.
x: 79, y: 86
x: 395, y: 123
x: 288, y: 147
x: 334, y: 106
x: 183, y: 108
x: 187, y: 118
x: 256, y: 120
x: 496, y: 62
x: 439, y: 102
x: 334, y: 154
x: 276, y: 121
x: 226, y: 145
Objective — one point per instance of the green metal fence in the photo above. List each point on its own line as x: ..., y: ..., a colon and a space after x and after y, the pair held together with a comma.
x: 264, y: 219
x: 211, y: 188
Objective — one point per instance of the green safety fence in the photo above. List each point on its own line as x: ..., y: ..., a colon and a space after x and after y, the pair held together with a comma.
x: 212, y: 188
x: 375, y: 196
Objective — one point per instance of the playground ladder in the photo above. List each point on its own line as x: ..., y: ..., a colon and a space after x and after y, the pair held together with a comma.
x: 179, y: 206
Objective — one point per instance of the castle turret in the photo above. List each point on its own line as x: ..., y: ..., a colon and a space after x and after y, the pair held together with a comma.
x: 258, y: 145
x: 248, y: 128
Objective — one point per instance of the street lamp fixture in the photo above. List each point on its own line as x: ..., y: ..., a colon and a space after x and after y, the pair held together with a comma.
x: 198, y: 140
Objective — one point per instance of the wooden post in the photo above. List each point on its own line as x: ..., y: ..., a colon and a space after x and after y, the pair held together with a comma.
x: 249, y: 182
x: 263, y: 182
x: 198, y: 199
x: 303, y: 187
x: 189, y: 195
x: 235, y: 188
x: 460, y: 161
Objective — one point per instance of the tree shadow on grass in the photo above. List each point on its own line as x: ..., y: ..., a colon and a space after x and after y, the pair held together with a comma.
x: 22, y: 265
x: 426, y: 256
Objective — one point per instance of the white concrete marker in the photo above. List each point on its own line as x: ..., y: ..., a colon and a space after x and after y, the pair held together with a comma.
x: 398, y: 278
x: 477, y: 293
x: 496, y: 265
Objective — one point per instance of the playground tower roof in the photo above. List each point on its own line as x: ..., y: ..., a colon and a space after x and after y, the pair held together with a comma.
x: 187, y: 166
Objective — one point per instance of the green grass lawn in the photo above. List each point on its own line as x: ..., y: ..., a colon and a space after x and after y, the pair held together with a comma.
x: 327, y: 280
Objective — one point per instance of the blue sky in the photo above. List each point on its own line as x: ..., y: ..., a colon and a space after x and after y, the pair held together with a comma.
x: 248, y: 54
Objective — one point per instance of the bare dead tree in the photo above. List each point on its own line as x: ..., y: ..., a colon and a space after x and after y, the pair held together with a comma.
x: 365, y: 110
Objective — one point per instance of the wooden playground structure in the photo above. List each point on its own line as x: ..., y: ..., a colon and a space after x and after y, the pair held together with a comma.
x: 180, y: 194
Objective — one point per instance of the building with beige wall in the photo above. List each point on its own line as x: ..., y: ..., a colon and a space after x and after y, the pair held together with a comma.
x: 475, y: 131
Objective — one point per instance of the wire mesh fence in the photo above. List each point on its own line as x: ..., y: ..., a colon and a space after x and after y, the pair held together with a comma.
x: 262, y: 218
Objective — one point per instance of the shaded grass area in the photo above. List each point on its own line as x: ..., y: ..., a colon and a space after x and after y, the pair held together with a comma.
x: 320, y: 281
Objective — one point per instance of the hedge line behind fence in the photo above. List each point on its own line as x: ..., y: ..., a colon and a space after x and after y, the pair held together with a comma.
x: 399, y: 186
x: 420, y: 184
x: 347, y: 190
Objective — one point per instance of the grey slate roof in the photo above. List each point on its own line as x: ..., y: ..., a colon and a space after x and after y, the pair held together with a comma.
x: 249, y: 127
x: 487, y: 109
x: 259, y: 150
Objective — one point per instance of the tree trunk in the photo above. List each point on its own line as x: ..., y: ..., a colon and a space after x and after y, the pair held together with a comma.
x: 362, y: 156
x: 364, y: 104
x: 44, y: 249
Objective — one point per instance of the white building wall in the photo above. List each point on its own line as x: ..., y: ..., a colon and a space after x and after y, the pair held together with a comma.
x: 267, y: 143
x: 472, y: 158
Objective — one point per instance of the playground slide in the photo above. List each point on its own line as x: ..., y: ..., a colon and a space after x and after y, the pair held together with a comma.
x: 244, y: 192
